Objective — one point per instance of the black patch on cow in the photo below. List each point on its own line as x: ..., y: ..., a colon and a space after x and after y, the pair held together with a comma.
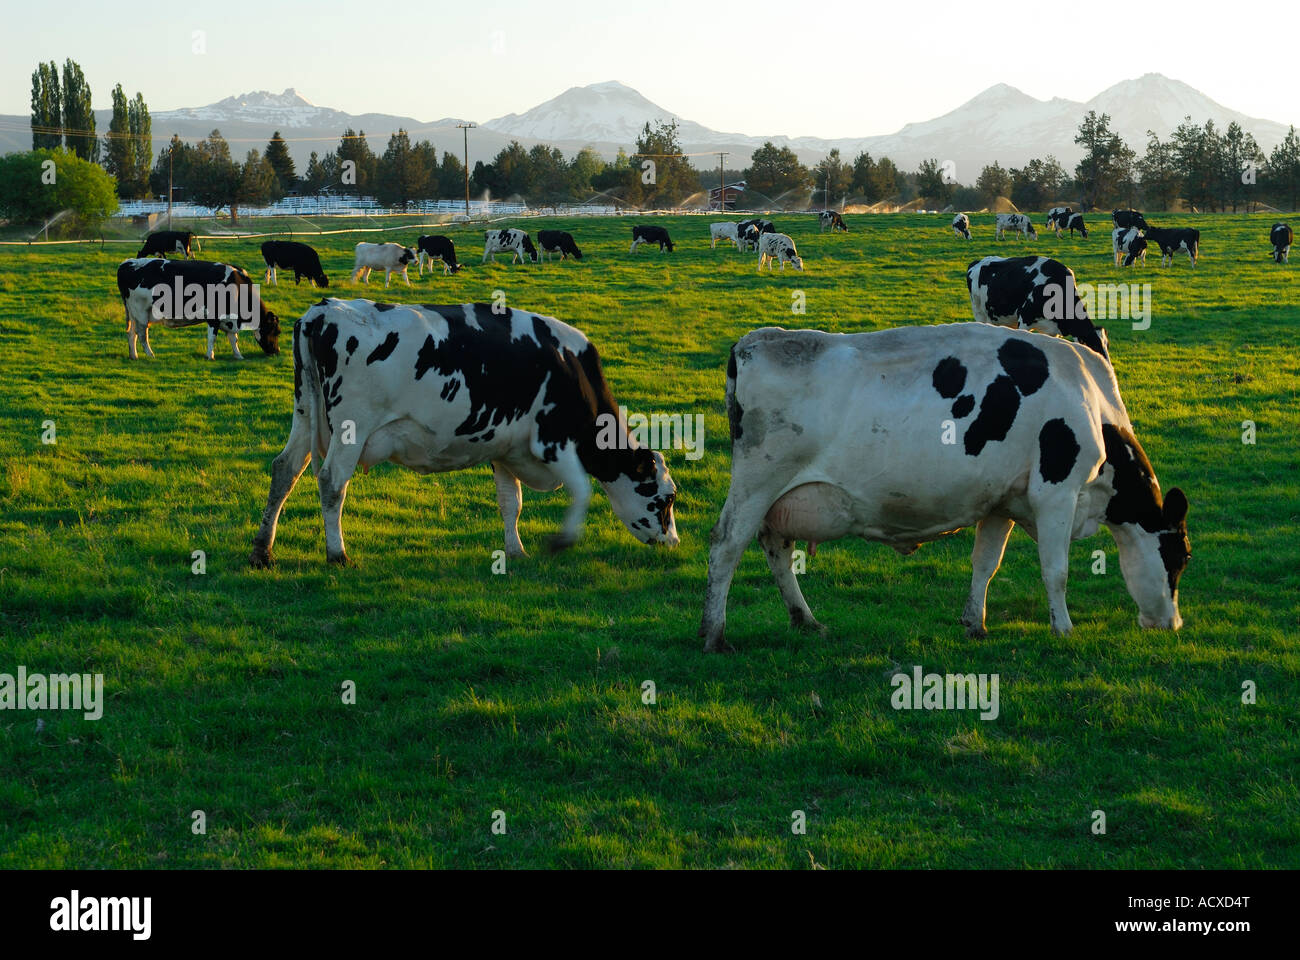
x: 384, y: 307
x: 997, y: 413
x: 949, y: 377
x: 297, y: 368
x: 352, y: 345
x: 1175, y: 551
x: 1137, y: 495
x: 1025, y: 364
x: 385, y: 349
x: 1058, y: 450
x: 324, y: 337
x: 963, y: 405
x: 450, y: 389
x: 734, y: 409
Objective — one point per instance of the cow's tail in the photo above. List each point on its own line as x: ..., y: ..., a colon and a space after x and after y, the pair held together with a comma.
x: 313, y: 400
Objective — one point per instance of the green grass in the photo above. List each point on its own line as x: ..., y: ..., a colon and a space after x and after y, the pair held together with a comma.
x: 522, y: 693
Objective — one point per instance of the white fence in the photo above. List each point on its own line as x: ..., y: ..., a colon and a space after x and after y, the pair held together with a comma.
x: 370, y: 207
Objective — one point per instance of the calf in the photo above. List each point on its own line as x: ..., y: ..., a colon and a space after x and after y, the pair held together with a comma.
x: 440, y: 388
x: 1041, y: 438
x: 1171, y: 240
x: 1076, y: 223
x: 1128, y: 218
x: 180, y: 293
x: 1032, y: 293
x: 298, y: 257
x: 643, y: 234
x: 777, y: 246
x: 1280, y: 237
x: 557, y: 241
x: 1017, y: 222
x: 961, y: 225
x: 163, y: 242
x: 388, y: 257
x: 516, y: 242
x: 1127, y: 243
x: 723, y: 231
x: 830, y: 220
x: 433, y: 247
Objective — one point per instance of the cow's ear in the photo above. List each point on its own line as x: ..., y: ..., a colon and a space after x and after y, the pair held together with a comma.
x: 1175, y: 507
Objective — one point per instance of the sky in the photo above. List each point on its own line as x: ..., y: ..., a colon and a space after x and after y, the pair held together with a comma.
x: 832, y: 69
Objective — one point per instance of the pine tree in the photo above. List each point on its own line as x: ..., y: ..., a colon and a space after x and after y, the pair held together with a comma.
x: 277, y: 155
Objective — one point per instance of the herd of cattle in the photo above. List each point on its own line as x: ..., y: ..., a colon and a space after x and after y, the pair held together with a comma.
x: 1045, y: 439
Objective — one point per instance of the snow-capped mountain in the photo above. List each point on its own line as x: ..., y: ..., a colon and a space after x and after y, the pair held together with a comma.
x: 289, y: 110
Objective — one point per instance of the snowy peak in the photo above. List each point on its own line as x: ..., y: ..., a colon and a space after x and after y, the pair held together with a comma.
x: 289, y: 110
x: 601, y: 112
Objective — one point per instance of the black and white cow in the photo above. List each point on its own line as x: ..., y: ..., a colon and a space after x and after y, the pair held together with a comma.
x: 298, y: 257
x: 558, y: 241
x: 961, y: 225
x: 389, y: 257
x: 1280, y: 236
x: 953, y: 425
x: 830, y: 220
x: 512, y: 241
x: 163, y: 242
x: 750, y: 230
x: 1171, y: 240
x: 723, y: 231
x: 441, y: 388
x: 184, y: 293
x: 1128, y: 218
x: 1075, y: 222
x: 643, y: 234
x: 777, y: 247
x: 1058, y: 218
x: 1128, y: 244
x: 1015, y: 223
x: 1032, y: 293
x: 429, y: 248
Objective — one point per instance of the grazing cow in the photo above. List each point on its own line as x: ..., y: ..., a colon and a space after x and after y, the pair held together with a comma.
x: 1032, y: 293
x: 184, y: 293
x: 1129, y: 244
x: 777, y: 246
x: 163, y: 242
x: 1017, y: 222
x: 435, y: 247
x: 298, y: 257
x: 903, y: 436
x: 751, y: 230
x: 1280, y: 237
x: 961, y: 225
x: 557, y: 241
x: 830, y: 220
x: 1128, y: 218
x: 642, y: 234
x: 1057, y: 218
x: 1076, y: 223
x: 389, y: 257
x: 1171, y: 240
x: 516, y: 242
x: 440, y: 388
x: 723, y: 231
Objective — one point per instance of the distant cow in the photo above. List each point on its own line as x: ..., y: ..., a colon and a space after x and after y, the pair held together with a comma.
x: 1075, y: 222
x: 181, y: 293
x: 777, y: 246
x: 1171, y: 240
x: 516, y: 242
x: 1017, y: 223
x: 1280, y: 237
x: 723, y: 231
x: 433, y: 247
x: 642, y: 234
x: 163, y: 242
x: 1128, y: 244
x: 440, y: 388
x: 1042, y: 440
x: 1033, y: 293
x: 388, y: 257
x: 557, y: 241
x: 1128, y: 218
x: 830, y: 220
x: 961, y: 225
x: 298, y: 257
x: 1057, y: 218
x: 751, y: 230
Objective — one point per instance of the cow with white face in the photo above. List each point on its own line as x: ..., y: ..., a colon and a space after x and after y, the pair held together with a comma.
x: 961, y: 226
x: 1015, y: 223
x: 516, y: 242
x: 904, y: 436
x: 440, y: 388
x: 1032, y: 293
x: 773, y: 247
x: 1128, y: 244
x: 389, y: 257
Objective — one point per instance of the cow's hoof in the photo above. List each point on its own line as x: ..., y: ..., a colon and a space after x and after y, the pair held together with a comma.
x: 515, y: 553
x: 976, y: 633
x: 559, y: 543
x: 805, y: 622
x: 719, y: 645
x: 261, y: 559
x: 339, y: 559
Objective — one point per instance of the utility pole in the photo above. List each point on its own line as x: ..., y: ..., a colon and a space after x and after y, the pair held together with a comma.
x: 467, y: 127
x: 722, y: 183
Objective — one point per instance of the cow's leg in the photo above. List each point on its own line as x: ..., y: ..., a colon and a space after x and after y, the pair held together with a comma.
x: 574, y: 477
x: 285, y: 471
x: 234, y: 345
x: 147, y: 349
x: 387, y: 274
x: 131, y: 337
x: 510, y: 500
x: 779, y: 551
x: 738, y: 523
x: 212, y: 342
x: 336, y: 470
x: 991, y: 535
x: 1054, y: 519
x: 406, y: 276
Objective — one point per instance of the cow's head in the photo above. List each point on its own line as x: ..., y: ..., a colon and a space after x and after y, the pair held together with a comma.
x: 668, y: 245
x: 574, y: 251
x: 1029, y: 226
x: 789, y: 253
x: 1076, y: 223
x: 642, y: 496
x: 408, y: 255
x: 1154, y: 563
x: 268, y: 333
x: 1137, y: 246
x: 528, y: 248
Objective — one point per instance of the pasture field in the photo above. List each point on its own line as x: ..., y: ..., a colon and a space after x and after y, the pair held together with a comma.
x: 522, y: 693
